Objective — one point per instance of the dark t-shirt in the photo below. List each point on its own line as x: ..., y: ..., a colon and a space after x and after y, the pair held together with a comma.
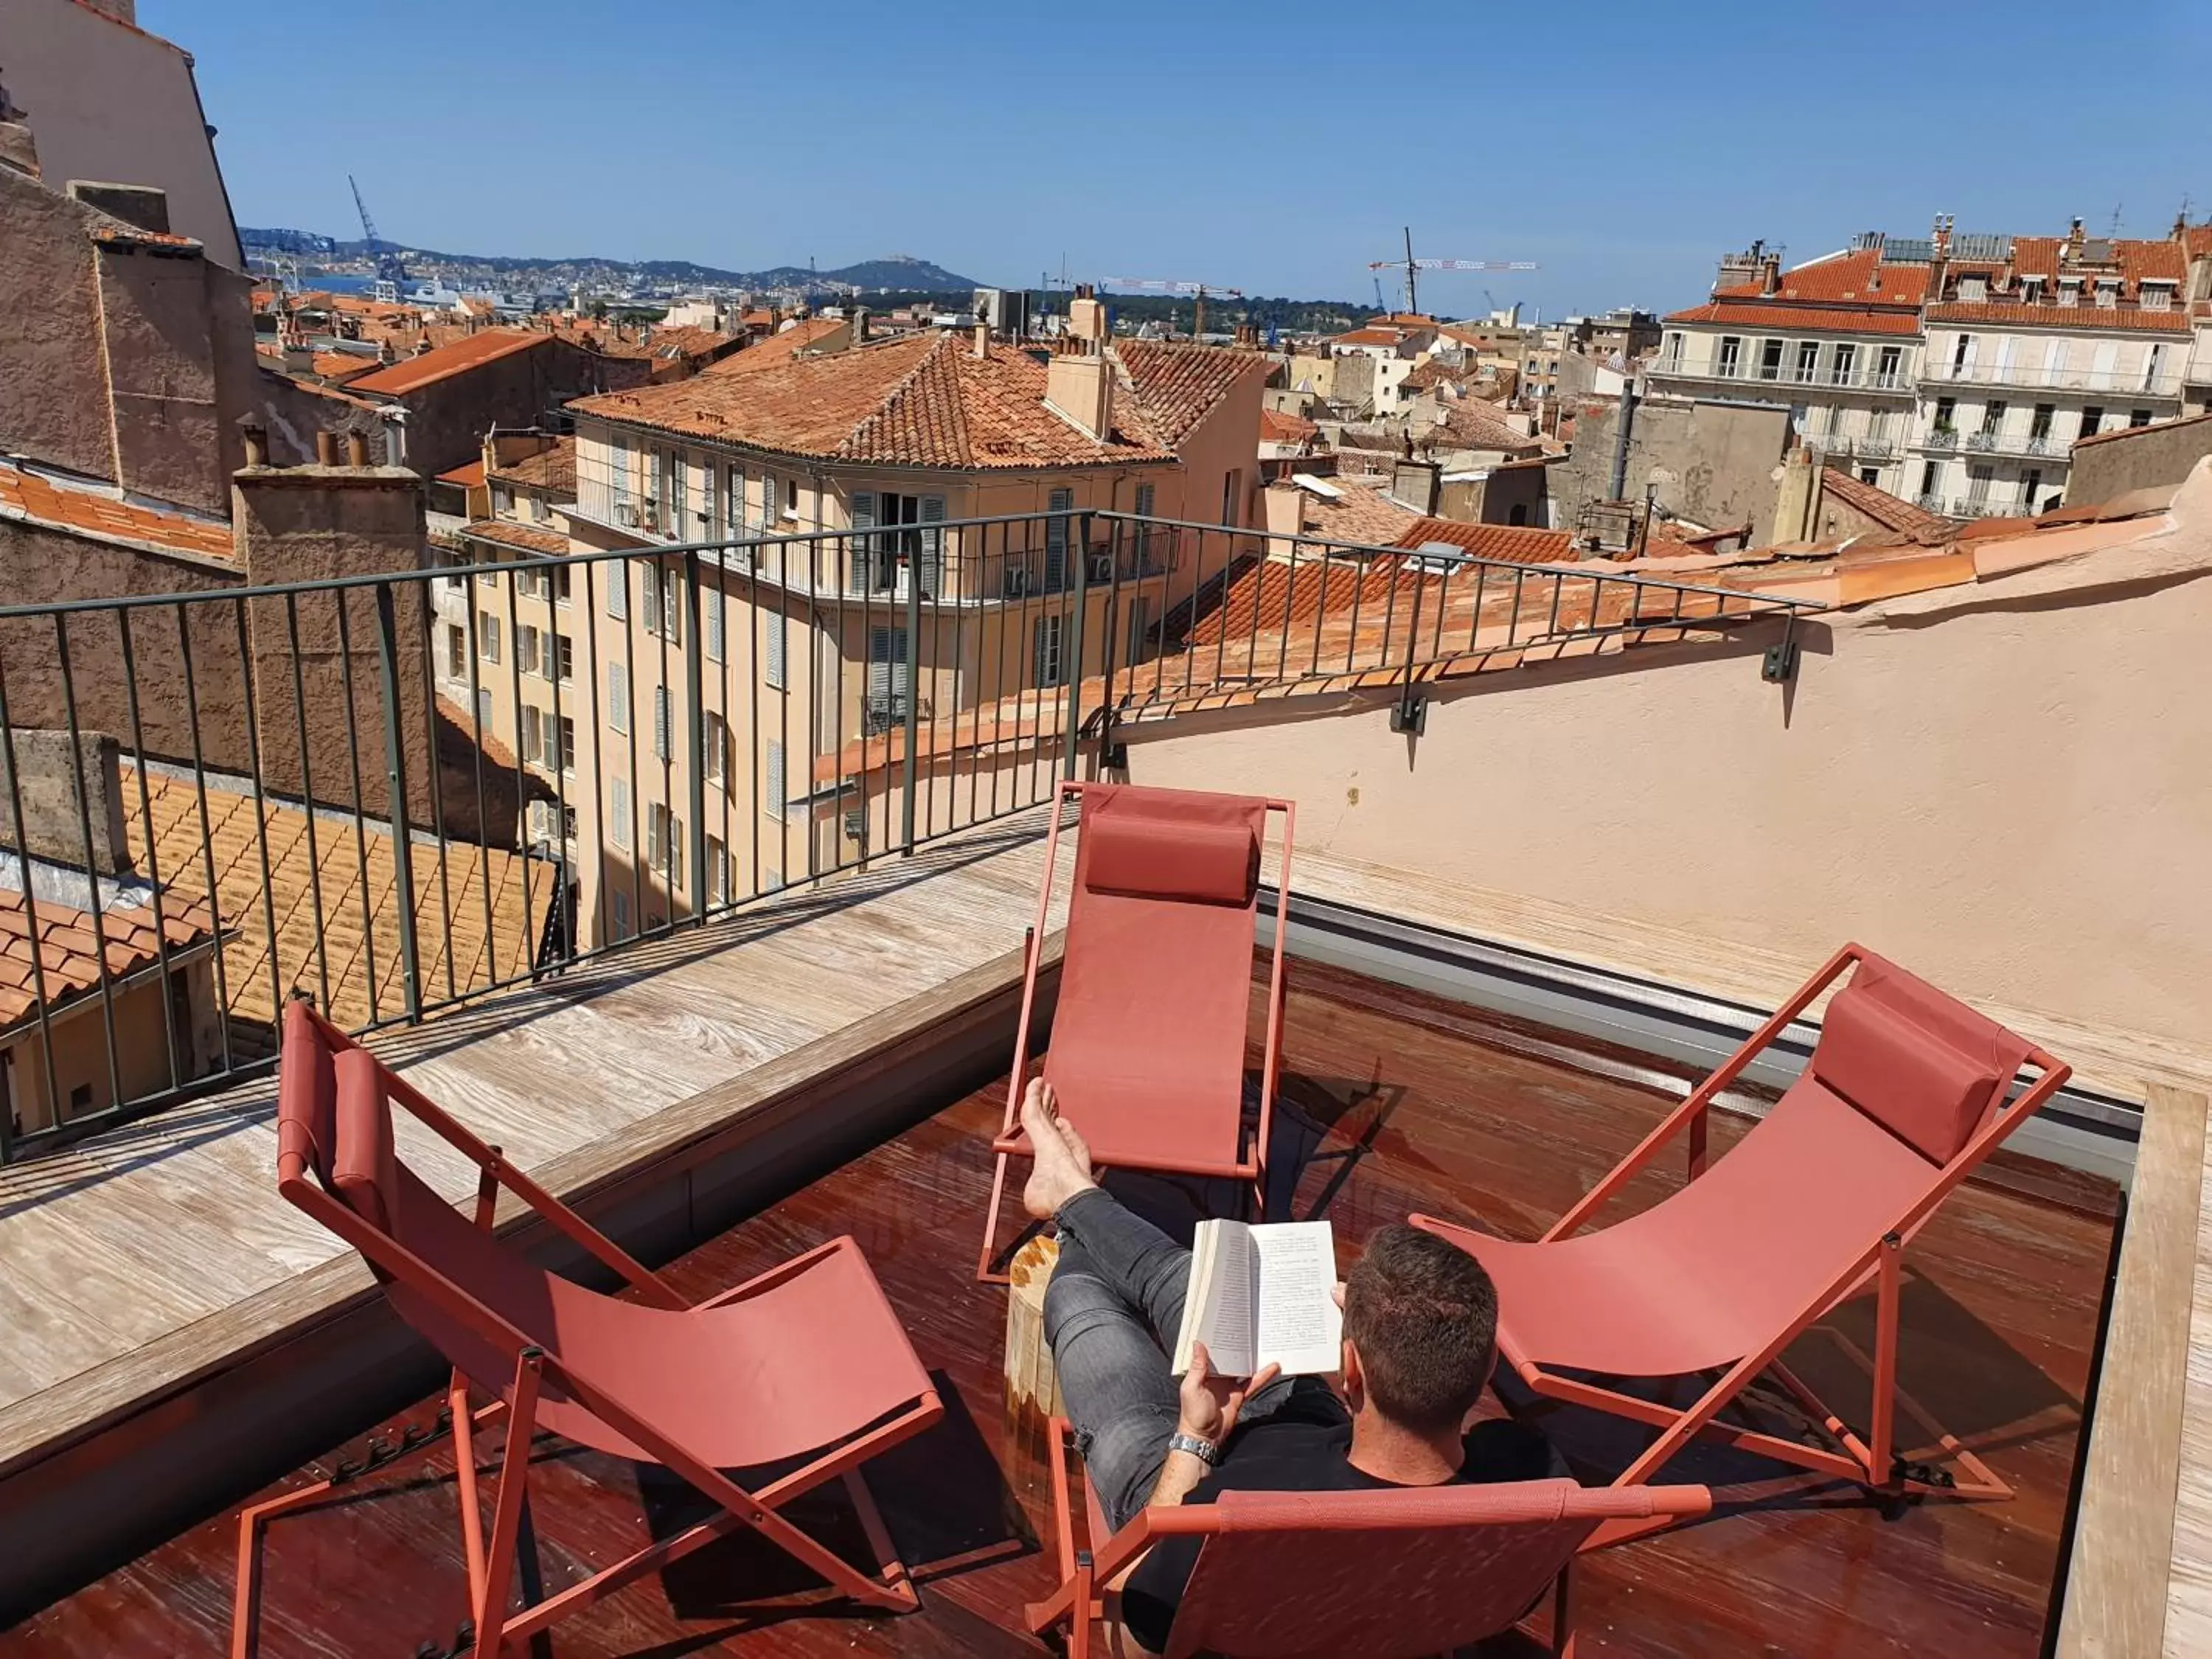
x: 1302, y: 1446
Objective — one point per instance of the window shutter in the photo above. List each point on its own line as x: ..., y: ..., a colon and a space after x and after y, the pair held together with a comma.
x: 618, y: 590
x: 660, y: 721
x: 772, y: 803
x: 775, y: 625
x: 1145, y: 499
x: 712, y: 602
x: 617, y: 696
x: 733, y: 504
x: 1055, y: 538
x: 933, y: 545
x: 619, y: 817
x: 860, y: 550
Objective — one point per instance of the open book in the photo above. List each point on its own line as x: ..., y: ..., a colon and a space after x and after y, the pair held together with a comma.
x: 1262, y: 1295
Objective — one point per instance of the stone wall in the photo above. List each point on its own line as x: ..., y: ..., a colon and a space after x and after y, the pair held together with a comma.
x: 1715, y: 464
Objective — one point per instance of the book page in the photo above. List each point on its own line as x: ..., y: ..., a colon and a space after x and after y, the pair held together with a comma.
x: 1298, y: 1325
x: 1219, y: 1306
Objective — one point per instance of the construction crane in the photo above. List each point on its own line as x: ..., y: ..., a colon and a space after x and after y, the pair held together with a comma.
x: 389, y: 267
x: 1200, y: 289
x: 1409, y: 264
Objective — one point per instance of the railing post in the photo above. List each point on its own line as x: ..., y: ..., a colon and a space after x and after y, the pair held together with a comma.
x: 395, y: 786
x: 695, y: 697
x: 1071, y: 658
x: 910, y: 561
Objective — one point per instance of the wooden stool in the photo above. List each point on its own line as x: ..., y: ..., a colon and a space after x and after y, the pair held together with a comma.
x: 1032, y: 1385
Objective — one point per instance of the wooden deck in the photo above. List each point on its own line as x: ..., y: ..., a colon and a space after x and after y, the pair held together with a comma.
x: 139, y: 1260
x: 1433, y: 1107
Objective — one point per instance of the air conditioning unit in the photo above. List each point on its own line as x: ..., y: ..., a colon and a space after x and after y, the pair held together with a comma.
x: 1102, y: 567
x: 626, y: 514
x: 1018, y: 581
x: 856, y: 825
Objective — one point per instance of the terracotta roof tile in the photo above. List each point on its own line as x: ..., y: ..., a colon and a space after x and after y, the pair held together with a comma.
x: 38, y: 499
x: 468, y: 476
x: 776, y: 348
x: 442, y: 363
x: 2085, y: 319
x: 921, y: 400
x: 553, y: 469
x: 1183, y: 384
x: 68, y: 954
x: 1860, y: 276
x: 1890, y: 511
x: 1277, y: 428
x: 546, y: 543
x: 1810, y: 319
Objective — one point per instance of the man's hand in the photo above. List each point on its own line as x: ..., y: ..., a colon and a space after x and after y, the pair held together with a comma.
x: 1210, y: 1403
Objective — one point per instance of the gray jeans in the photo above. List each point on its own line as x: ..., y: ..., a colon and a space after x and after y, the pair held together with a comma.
x: 1111, y: 1313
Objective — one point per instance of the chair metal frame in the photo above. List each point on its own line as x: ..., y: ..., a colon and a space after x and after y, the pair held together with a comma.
x: 1079, y: 1600
x: 491, y: 1562
x: 1870, y: 1460
x: 1010, y: 1143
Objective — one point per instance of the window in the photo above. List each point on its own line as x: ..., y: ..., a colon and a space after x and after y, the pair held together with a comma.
x: 1927, y: 477
x: 791, y: 498
x: 718, y: 871
x: 2139, y: 417
x: 1947, y: 411
x: 618, y: 464
x: 773, y: 670
x: 906, y: 546
x: 1731, y: 358
x: 618, y: 590
x: 733, y: 503
x: 563, y: 651
x: 1770, y: 359
x: 1962, y: 356
x: 2156, y: 296
x: 2153, y: 360
x: 2092, y: 418
x: 1145, y: 499
x: 526, y: 658
x: 568, y: 823
x: 502, y: 500
x: 559, y: 577
x: 1045, y: 652
x: 1518, y: 513
x: 621, y: 914
x: 714, y: 747
x: 568, y: 744
x: 772, y: 801
x: 457, y: 653
x: 2031, y: 486
x: 1675, y: 351
x: 1140, y: 623
x: 618, y: 697
x: 619, y: 814
x: 1809, y: 357
x: 1232, y: 497
x: 891, y: 676
x: 1993, y: 414
x: 487, y: 636
x: 767, y: 494
x: 662, y: 597
x: 660, y: 713
x: 2040, y: 426
x: 1869, y: 474
x: 534, y: 738
x: 483, y: 712
x: 710, y: 601
x: 664, y: 843
x: 1845, y: 359
x: 1979, y: 478
x: 1888, y: 365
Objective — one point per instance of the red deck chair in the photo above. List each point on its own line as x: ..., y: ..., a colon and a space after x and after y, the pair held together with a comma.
x: 1904, y: 1096
x: 805, y: 1365
x: 1148, y: 1039
x: 1351, y: 1574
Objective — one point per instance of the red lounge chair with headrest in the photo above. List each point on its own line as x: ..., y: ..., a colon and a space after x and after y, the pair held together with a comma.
x: 1905, y: 1095
x: 805, y: 1368
x: 1351, y: 1574
x: 1148, y: 1036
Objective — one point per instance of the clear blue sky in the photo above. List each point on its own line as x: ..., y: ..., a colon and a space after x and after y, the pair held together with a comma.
x: 1276, y: 148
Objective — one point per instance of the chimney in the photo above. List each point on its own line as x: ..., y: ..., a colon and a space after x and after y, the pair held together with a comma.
x: 859, y: 314
x: 356, y: 449
x: 1079, y: 383
x: 385, y: 354
x: 1770, y: 274
x: 327, y: 449
x: 981, y: 333
x: 256, y: 441
x: 54, y: 774
x: 422, y: 343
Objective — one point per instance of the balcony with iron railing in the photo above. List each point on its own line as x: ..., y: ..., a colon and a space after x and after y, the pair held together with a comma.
x: 2161, y: 384
x: 1897, y: 381
x: 2026, y: 444
x: 1539, y: 886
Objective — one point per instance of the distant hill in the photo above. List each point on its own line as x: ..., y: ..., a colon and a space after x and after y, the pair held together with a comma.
x: 895, y: 271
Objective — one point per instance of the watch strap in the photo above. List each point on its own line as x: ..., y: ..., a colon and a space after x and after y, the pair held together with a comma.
x: 1201, y: 1449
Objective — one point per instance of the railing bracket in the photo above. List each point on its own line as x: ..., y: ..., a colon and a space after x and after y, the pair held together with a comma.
x: 1780, y: 664
x: 1411, y: 713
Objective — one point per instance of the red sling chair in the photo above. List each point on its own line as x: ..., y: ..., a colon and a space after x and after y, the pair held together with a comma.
x: 1351, y: 1574
x: 805, y: 1362
x: 1903, y: 1098
x: 1148, y: 1038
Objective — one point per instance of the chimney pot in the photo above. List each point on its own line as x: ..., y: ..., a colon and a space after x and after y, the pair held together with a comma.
x: 327, y: 449
x: 257, y: 443
x: 982, y: 333
x: 356, y: 449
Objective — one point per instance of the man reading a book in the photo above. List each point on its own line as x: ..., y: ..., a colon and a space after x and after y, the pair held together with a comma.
x: 1420, y: 1320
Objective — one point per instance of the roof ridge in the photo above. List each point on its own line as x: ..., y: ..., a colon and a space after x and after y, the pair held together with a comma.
x: 886, y: 404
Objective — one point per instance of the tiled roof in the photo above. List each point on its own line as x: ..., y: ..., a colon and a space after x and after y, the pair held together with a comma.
x: 1890, y: 511
x: 1858, y: 277
x: 115, y: 232
x: 1515, y: 544
x: 922, y: 400
x: 1183, y: 384
x: 468, y: 476
x: 321, y: 885
x: 472, y: 351
x: 2081, y: 318
x: 2136, y: 258
x: 776, y: 348
x: 507, y: 533
x: 1372, y: 336
x: 1360, y: 513
x: 1807, y: 318
x: 68, y: 952
x: 1277, y: 428
x: 28, y: 495
x: 1473, y: 424
x: 341, y: 365
x: 553, y: 469
x: 686, y: 340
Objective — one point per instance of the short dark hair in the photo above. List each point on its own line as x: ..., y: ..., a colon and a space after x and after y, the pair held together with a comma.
x: 1424, y: 1315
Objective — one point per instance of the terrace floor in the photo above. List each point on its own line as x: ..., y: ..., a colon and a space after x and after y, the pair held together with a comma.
x: 1429, y: 1105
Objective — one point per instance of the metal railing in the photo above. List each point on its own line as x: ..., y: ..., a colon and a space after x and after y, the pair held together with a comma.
x: 2165, y: 382
x: 1861, y: 380
x: 400, y: 793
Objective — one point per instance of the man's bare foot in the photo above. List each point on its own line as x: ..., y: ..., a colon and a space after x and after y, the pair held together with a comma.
x: 1062, y: 1166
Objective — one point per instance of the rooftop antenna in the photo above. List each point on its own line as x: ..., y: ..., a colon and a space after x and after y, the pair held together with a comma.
x: 2115, y: 230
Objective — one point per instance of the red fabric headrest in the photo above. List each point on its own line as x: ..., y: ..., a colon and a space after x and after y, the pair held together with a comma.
x: 1914, y: 1081
x: 1142, y: 856
x: 366, y: 1170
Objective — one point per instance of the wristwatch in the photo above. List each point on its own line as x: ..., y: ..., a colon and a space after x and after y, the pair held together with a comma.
x: 1203, y: 1450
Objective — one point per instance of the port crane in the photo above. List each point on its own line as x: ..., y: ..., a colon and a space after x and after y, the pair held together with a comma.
x: 389, y: 266
x: 1411, y: 266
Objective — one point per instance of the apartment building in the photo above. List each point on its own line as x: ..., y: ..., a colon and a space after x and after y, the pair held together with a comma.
x: 1373, y: 361
x: 1835, y: 340
x: 2055, y: 340
x: 853, y: 611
